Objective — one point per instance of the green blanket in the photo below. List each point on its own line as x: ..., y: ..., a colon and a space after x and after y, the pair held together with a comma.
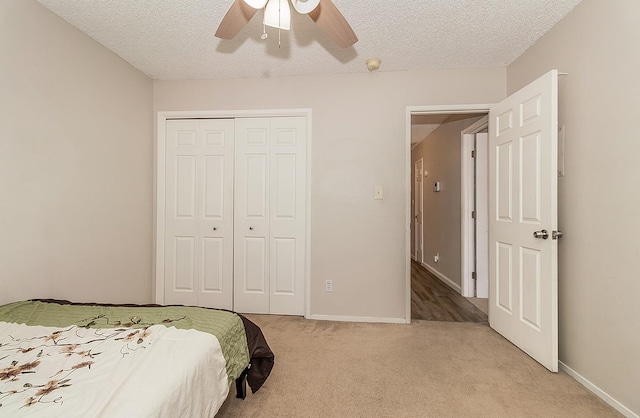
x: 225, y: 326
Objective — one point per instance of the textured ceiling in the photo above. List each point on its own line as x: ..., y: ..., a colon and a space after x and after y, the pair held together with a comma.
x: 174, y: 39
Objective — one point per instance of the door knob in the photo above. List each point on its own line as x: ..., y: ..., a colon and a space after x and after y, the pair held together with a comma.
x: 541, y: 234
x: 251, y: 228
x: 556, y: 234
x: 215, y: 228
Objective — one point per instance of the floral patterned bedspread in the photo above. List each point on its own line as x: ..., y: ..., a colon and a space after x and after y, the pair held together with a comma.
x: 109, y: 372
x: 227, y: 327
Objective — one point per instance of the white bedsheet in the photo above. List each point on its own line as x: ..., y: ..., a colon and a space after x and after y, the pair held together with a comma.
x: 123, y: 372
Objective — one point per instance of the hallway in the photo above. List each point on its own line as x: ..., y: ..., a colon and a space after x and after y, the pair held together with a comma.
x: 433, y: 300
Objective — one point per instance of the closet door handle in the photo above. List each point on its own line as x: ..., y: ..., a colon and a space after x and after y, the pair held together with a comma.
x: 251, y: 228
x: 215, y: 228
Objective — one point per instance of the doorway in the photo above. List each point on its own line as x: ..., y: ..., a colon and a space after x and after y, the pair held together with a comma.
x: 523, y: 215
x: 443, y: 275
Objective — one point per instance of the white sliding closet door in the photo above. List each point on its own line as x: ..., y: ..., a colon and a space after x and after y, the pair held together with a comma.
x: 270, y: 215
x: 199, y: 212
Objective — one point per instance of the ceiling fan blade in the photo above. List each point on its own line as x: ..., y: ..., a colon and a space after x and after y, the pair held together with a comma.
x: 333, y: 24
x: 238, y: 15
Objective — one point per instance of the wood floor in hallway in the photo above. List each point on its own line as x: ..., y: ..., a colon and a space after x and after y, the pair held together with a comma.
x: 432, y: 300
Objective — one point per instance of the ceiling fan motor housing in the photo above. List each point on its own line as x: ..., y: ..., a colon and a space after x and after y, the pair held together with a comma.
x: 301, y: 6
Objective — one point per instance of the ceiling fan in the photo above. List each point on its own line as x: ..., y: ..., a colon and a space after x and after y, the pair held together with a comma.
x: 278, y: 14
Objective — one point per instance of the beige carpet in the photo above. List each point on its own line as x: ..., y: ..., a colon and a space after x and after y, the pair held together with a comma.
x: 426, y: 369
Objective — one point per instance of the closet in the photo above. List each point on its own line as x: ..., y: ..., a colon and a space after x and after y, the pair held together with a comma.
x: 235, y: 213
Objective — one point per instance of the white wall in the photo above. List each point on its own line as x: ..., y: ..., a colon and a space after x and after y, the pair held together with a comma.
x: 598, y: 44
x: 75, y: 163
x: 441, y: 154
x: 359, y: 141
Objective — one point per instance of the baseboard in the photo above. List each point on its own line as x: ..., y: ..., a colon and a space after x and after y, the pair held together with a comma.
x: 339, y: 318
x: 413, y: 257
x: 597, y: 391
x: 442, y: 277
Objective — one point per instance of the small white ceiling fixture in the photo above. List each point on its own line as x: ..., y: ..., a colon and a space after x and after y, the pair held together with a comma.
x: 373, y: 64
x: 277, y: 14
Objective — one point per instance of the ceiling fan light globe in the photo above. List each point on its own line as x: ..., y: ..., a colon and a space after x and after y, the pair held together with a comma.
x: 278, y: 17
x: 305, y: 6
x: 256, y: 4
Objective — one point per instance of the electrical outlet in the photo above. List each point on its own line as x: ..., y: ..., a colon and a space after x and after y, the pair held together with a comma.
x: 328, y: 285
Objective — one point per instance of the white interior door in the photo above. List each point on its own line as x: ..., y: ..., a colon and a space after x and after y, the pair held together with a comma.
x: 418, y: 210
x: 199, y: 213
x: 523, y: 303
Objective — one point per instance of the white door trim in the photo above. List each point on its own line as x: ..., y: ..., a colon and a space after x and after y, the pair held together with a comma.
x: 482, y: 214
x: 422, y: 110
x: 467, y: 232
x: 418, y: 233
x: 160, y: 197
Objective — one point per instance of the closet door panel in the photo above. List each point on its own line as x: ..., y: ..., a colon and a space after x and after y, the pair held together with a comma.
x: 255, y: 182
x: 181, y: 225
x: 185, y: 190
x: 255, y: 262
x: 288, y: 215
x: 213, y: 265
x: 199, y: 213
x: 285, y: 186
x: 213, y: 187
x: 216, y: 213
x: 251, y: 216
x: 184, y: 256
x: 284, y: 250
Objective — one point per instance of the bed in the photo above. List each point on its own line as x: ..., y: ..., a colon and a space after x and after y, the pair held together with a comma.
x: 59, y: 358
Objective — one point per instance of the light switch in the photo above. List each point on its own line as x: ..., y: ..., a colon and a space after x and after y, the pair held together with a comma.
x: 379, y: 193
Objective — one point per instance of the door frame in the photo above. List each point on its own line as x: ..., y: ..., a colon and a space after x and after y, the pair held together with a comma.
x: 470, y: 247
x: 421, y: 206
x: 423, y: 110
x: 159, y: 180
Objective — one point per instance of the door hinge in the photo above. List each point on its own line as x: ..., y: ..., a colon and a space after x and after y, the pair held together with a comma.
x: 473, y: 275
x: 473, y: 214
x: 473, y: 154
